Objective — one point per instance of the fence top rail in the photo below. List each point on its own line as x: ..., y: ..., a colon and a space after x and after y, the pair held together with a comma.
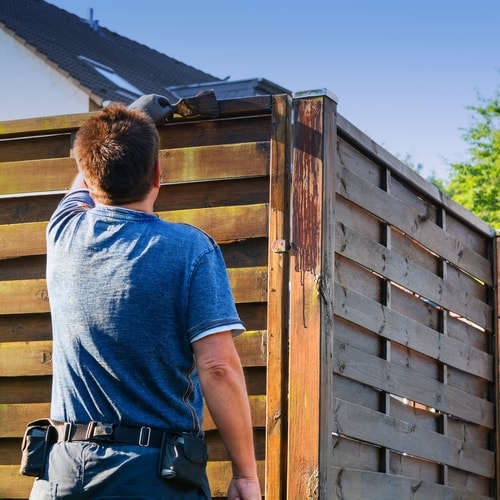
x: 46, y: 125
x: 359, y: 139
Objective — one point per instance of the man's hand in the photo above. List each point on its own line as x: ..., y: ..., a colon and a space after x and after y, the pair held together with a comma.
x: 244, y: 489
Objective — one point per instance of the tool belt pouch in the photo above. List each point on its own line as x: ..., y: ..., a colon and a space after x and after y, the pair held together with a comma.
x: 38, y: 437
x: 183, y: 460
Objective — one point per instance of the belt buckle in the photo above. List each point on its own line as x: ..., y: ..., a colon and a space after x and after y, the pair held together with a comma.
x: 98, y: 431
x: 144, y: 436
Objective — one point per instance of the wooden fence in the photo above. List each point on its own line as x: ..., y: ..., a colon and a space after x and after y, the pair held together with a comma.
x: 369, y: 300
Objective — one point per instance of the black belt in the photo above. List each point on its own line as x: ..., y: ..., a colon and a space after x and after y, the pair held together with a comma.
x: 109, y: 433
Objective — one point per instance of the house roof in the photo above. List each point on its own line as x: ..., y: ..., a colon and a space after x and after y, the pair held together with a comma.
x: 106, y: 65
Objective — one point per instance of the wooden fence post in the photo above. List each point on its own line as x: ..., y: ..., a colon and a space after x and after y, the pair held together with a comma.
x: 311, y: 295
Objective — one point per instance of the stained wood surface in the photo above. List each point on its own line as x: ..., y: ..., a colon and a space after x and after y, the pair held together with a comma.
x: 215, y: 175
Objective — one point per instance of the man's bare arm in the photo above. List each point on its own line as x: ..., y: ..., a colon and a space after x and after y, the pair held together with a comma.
x: 223, y: 384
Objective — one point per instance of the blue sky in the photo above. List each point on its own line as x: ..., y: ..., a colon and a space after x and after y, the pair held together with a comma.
x: 403, y: 71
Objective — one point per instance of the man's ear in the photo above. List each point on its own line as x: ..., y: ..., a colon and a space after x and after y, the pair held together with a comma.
x: 157, y: 177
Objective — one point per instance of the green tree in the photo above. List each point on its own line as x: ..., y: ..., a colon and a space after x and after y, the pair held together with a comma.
x: 475, y: 183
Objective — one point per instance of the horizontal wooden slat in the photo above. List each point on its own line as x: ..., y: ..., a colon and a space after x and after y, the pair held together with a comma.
x: 34, y: 176
x: 391, y: 325
x: 14, y: 417
x: 411, y: 276
x: 13, y: 485
x: 358, y: 139
x: 44, y: 125
x: 257, y: 407
x: 249, y: 284
x: 401, y: 381
x: 361, y: 484
x: 364, y: 424
x: 416, y: 225
x: 227, y: 161
x: 23, y: 359
x: 30, y: 296
x: 23, y: 297
x: 20, y: 240
x: 224, y: 224
x: 223, y: 161
x: 251, y: 347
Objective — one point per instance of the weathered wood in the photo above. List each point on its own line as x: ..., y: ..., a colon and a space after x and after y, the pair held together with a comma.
x: 355, y: 136
x: 223, y: 161
x: 371, y: 426
x: 412, y: 334
x: 213, y: 132
x: 399, y: 269
x: 18, y: 359
x: 44, y: 125
x: 403, y: 382
x: 19, y: 240
x: 14, y: 417
x: 305, y: 312
x: 361, y: 484
x: 277, y: 258
x: 23, y: 297
x: 178, y: 165
x: 415, y: 224
x: 224, y: 224
x: 30, y: 296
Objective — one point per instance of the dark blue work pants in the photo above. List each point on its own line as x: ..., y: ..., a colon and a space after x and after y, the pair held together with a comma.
x: 85, y: 470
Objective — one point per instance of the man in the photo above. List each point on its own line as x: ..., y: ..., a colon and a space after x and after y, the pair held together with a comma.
x: 143, y: 321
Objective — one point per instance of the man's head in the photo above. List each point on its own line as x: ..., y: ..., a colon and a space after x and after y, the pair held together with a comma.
x: 116, y: 150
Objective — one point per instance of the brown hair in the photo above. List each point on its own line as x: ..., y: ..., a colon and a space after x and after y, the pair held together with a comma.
x: 116, y: 150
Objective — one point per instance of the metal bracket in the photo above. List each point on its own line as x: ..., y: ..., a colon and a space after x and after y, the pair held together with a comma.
x: 280, y: 246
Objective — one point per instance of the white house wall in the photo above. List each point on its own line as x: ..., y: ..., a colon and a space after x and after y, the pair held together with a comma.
x: 31, y: 87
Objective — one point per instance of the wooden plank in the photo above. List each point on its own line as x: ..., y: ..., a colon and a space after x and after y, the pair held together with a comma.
x: 26, y: 359
x: 360, y: 484
x: 392, y: 325
x: 305, y: 310
x: 23, y: 297
x: 228, y: 161
x: 364, y: 143
x: 36, y: 148
x: 14, y: 417
x: 20, y: 240
x: 278, y: 262
x: 44, y: 125
x: 31, y: 176
x: 399, y: 269
x: 399, y: 380
x: 371, y: 426
x: 326, y: 288
x: 222, y: 161
x: 413, y: 223
x: 15, y: 486
x: 224, y: 224
x: 252, y: 346
x: 30, y: 296
x: 257, y: 407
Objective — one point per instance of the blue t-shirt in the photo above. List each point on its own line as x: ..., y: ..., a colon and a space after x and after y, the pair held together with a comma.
x: 129, y: 292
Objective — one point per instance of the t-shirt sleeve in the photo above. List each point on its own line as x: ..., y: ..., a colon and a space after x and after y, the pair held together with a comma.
x: 72, y: 204
x: 211, y: 303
